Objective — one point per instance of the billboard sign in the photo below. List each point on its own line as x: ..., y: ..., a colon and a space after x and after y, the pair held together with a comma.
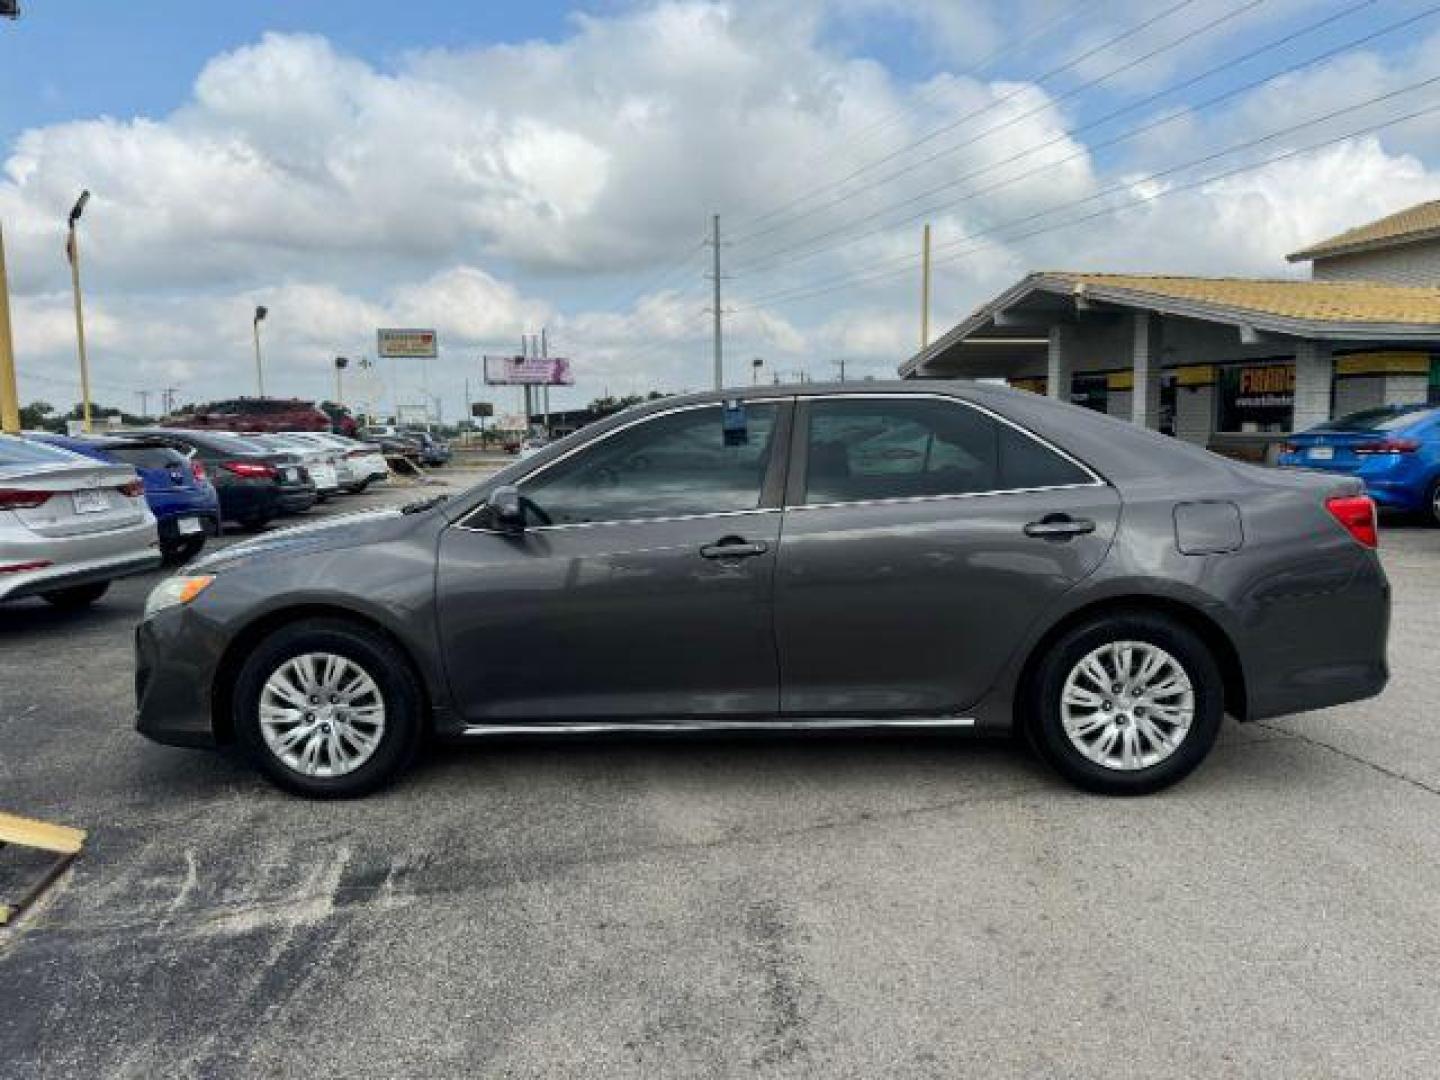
x: 528, y: 371
x: 406, y: 344
x: 482, y: 408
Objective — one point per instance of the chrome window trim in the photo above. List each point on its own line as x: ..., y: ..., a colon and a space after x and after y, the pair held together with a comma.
x: 625, y: 521
x: 687, y: 407
x: 1095, y: 479
x: 900, y: 500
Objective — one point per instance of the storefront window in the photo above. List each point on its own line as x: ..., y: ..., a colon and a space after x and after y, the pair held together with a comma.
x: 1256, y: 398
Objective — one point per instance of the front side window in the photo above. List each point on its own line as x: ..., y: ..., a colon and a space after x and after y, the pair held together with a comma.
x: 698, y: 461
x: 862, y: 450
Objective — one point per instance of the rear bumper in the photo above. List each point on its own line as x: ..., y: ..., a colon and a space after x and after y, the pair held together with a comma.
x: 1343, y: 635
x: 249, y: 501
x: 80, y: 560
x: 297, y: 500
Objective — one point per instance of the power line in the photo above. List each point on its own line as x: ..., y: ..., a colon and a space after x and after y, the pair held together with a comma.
x: 793, y: 294
x: 842, y: 181
x: 813, y: 245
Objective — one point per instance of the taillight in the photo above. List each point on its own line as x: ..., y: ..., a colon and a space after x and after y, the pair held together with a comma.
x: 251, y: 470
x: 197, y: 469
x: 15, y: 499
x: 133, y: 490
x: 1388, y: 446
x: 1357, y: 514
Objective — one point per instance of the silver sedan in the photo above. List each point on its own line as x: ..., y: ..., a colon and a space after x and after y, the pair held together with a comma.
x: 69, y: 525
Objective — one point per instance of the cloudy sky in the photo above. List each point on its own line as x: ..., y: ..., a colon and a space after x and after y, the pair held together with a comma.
x: 492, y: 169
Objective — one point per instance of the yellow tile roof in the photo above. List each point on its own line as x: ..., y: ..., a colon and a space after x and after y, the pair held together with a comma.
x: 1414, y: 223
x: 1311, y: 301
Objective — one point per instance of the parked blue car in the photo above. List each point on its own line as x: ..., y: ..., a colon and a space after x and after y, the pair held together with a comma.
x: 181, y: 497
x: 1395, y: 450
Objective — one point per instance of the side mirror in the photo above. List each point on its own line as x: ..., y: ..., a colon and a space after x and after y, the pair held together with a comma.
x: 507, y: 508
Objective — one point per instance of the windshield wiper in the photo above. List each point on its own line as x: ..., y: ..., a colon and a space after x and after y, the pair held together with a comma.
x: 421, y: 505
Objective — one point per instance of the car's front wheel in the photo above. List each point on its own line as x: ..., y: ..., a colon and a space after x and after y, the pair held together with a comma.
x: 328, y: 708
x: 1126, y: 704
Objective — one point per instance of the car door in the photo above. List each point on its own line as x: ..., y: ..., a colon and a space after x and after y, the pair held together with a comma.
x: 640, y: 589
x: 922, y: 537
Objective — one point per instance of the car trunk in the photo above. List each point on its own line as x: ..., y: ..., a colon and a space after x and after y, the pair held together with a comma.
x: 81, y: 499
x: 1333, y: 450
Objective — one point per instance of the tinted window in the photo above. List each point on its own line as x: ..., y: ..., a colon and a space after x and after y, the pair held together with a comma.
x: 676, y: 465
x: 1025, y: 463
x: 861, y: 450
x: 147, y: 457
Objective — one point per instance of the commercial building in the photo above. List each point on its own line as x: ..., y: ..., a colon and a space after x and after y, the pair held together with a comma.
x: 1232, y: 363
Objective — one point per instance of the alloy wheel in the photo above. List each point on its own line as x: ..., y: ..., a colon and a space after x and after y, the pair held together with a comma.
x: 322, y: 714
x: 1127, y: 705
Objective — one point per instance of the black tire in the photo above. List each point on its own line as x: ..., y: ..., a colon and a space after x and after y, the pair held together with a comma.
x: 1431, y: 513
x: 1045, y: 728
x: 77, y: 596
x: 386, y: 665
x: 182, y: 551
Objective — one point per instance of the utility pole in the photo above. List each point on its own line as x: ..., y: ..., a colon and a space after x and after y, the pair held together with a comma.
x: 72, y: 252
x: 341, y: 362
x: 545, y: 390
x: 9, y: 394
x: 719, y: 314
x: 841, y: 362
x: 525, y: 351
x: 144, y: 396
x: 167, y: 397
x: 924, y: 290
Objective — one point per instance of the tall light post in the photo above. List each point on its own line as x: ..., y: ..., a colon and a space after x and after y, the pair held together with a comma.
x: 9, y: 398
x: 260, y: 313
x: 72, y: 252
x: 341, y: 363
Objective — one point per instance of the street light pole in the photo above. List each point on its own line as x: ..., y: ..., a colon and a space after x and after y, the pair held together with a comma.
x: 260, y: 313
x: 9, y: 395
x: 340, y: 364
x: 72, y: 252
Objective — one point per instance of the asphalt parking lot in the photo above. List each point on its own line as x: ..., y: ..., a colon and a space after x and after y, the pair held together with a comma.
x: 898, y: 906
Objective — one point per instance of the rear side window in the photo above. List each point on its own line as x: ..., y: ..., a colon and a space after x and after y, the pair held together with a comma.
x: 866, y: 449
x: 147, y: 457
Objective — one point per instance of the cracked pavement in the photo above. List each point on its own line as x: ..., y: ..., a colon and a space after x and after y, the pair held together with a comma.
x: 915, y: 905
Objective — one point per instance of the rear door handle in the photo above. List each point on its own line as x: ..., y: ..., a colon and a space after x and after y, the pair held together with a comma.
x: 733, y: 547
x: 1059, y: 526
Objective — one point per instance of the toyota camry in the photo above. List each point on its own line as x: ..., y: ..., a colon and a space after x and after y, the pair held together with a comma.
x: 925, y: 555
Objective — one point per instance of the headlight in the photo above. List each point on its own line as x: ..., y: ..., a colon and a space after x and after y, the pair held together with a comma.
x: 177, y: 590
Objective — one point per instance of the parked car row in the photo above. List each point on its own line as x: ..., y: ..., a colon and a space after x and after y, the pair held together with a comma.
x: 416, y: 444
x: 76, y: 512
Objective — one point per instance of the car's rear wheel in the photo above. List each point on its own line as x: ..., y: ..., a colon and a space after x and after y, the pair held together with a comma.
x: 77, y: 596
x: 1432, y: 505
x: 1126, y: 704
x: 328, y: 708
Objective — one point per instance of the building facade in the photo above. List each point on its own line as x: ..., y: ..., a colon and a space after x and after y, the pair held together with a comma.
x: 1230, y: 363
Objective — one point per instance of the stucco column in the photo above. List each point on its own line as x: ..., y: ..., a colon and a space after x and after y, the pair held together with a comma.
x: 1314, y: 377
x: 1060, y: 371
x: 1145, y: 359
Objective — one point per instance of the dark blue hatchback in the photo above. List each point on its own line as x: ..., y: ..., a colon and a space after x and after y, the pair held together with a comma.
x: 181, y: 497
x: 1395, y: 450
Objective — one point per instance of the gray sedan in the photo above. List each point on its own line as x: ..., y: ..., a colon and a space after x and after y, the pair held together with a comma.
x: 936, y: 556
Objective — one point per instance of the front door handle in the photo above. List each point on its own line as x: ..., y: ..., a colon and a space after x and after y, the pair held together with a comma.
x: 1059, y: 526
x: 733, y: 547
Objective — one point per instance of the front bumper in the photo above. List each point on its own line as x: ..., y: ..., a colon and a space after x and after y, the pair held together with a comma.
x: 176, y: 654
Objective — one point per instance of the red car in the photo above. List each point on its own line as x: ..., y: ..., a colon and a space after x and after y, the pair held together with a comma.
x: 253, y: 414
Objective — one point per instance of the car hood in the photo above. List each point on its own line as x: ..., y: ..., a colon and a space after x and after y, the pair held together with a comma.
x: 347, y: 530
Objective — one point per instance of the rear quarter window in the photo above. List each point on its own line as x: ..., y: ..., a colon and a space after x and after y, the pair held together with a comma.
x: 1026, y: 463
